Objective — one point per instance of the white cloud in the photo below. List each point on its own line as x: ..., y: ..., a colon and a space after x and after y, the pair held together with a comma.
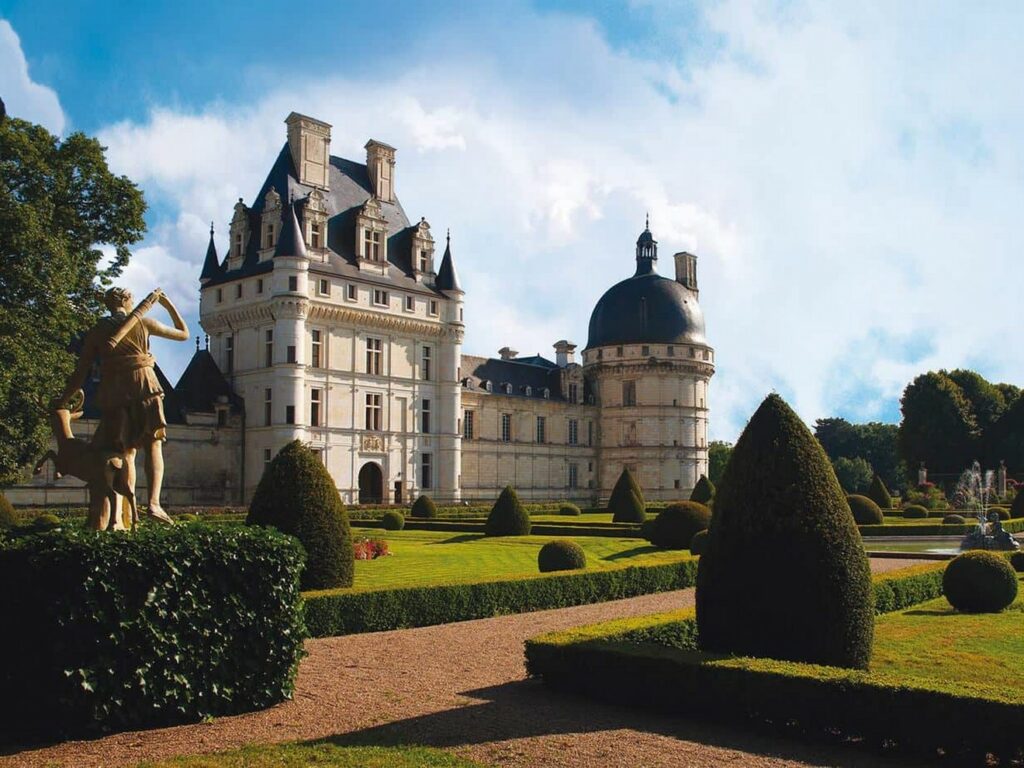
x: 22, y: 96
x: 847, y: 187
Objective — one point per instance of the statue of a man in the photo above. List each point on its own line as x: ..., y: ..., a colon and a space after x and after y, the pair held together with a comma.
x: 130, y: 397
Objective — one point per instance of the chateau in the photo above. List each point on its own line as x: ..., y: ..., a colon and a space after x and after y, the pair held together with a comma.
x: 333, y: 320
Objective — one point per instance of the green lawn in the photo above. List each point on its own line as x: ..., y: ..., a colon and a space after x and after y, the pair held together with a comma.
x: 319, y: 753
x: 933, y: 641
x: 423, y: 558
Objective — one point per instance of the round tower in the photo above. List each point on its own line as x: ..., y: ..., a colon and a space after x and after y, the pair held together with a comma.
x: 648, y: 363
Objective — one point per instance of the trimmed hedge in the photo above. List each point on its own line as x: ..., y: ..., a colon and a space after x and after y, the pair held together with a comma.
x: 980, y: 582
x: 507, y: 518
x: 423, y: 507
x: 915, y: 512
x: 561, y: 555
x: 1017, y: 507
x: 297, y: 496
x: 1017, y: 561
x: 392, y: 520
x: 676, y: 525
x: 569, y: 510
x: 954, y: 519
x: 703, y: 492
x: 1003, y: 512
x: 343, y: 612
x: 161, y: 626
x: 561, y: 528
x: 879, y: 494
x: 865, y: 511
x: 8, y: 518
x: 932, y: 529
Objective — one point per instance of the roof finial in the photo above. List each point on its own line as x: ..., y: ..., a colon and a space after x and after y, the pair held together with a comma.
x: 207, y: 342
x: 647, y: 221
x: 448, y: 236
x: 197, y: 343
x: 211, y: 229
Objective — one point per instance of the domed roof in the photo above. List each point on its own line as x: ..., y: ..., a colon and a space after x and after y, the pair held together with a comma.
x: 646, y: 308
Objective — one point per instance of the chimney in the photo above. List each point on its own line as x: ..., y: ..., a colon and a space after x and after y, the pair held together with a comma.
x: 507, y: 353
x: 380, y: 164
x: 565, y: 353
x: 309, y: 141
x: 686, y: 270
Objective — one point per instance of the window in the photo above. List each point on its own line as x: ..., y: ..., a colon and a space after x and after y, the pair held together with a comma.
x: 528, y: 390
x: 268, y: 347
x: 410, y: 304
x: 629, y: 393
x: 506, y: 427
x: 324, y: 287
x: 266, y: 455
x: 600, y: 354
x: 547, y: 393
x: 315, y: 235
x: 433, y: 308
x: 371, y: 245
x: 314, y: 407
x: 590, y: 433
x: 270, y: 236
x: 645, y: 350
x: 507, y: 388
x: 425, y: 418
x: 373, y: 356
x: 373, y: 412
x: 350, y: 292
x: 541, y: 437
x: 693, y: 352
x: 677, y: 483
x: 467, y: 425
x: 705, y: 354
x: 574, y: 476
x: 424, y: 260
x: 574, y: 432
x: 671, y: 351
x: 293, y: 283
x: 380, y: 297
x: 290, y: 353
x: 574, y: 393
x: 238, y: 290
x: 220, y: 295
x: 425, y: 370
x: 229, y: 353
x: 426, y: 471
x: 268, y: 407
x: 289, y: 414
x: 316, y: 347
x: 222, y: 417
x: 238, y: 245
x: 259, y: 285
x: 618, y: 351
x: 488, y: 386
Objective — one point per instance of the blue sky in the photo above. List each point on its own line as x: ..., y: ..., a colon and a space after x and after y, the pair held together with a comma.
x: 848, y: 174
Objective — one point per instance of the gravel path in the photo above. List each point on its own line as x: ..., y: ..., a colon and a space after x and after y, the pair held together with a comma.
x: 462, y: 686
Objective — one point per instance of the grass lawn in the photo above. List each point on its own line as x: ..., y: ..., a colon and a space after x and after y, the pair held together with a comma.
x: 423, y: 558
x: 319, y: 753
x: 933, y: 641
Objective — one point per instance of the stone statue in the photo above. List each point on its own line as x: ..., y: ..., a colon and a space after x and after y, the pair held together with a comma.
x: 130, y: 398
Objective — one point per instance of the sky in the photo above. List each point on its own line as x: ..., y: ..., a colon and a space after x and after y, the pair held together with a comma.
x: 850, y: 175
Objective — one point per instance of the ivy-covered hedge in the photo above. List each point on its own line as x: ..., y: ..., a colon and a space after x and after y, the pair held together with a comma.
x: 107, y: 631
x: 343, y: 612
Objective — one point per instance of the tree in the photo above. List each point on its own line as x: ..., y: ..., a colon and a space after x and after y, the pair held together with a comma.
x: 784, y: 573
x: 58, y: 203
x: 938, y: 427
x: 854, y: 475
x: 874, y: 442
x: 718, y: 456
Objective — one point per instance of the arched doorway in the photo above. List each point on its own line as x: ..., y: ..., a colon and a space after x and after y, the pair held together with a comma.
x: 371, y: 484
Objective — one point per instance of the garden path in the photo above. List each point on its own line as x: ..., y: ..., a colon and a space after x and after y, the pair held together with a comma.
x: 463, y: 687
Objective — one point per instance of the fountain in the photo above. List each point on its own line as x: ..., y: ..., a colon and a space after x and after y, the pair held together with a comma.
x: 974, y: 492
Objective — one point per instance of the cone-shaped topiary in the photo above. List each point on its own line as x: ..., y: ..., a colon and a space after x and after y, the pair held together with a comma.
x: 561, y: 555
x: 865, y: 511
x: 979, y: 582
x: 423, y: 507
x: 392, y: 520
x: 698, y: 543
x: 703, y: 491
x: 784, y: 573
x: 507, y: 517
x: 676, y: 524
x: 879, y: 494
x: 627, y: 500
x: 1017, y: 507
x: 8, y: 519
x: 297, y: 496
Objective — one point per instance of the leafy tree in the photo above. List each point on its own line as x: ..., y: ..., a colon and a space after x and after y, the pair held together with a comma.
x: 58, y: 203
x: 874, y: 442
x: 854, y: 475
x: 718, y: 456
x: 987, y: 401
x: 938, y: 427
x: 1005, y: 441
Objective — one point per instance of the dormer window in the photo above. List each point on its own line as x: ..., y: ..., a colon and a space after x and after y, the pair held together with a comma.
x: 269, y: 242
x: 508, y: 389
x: 371, y: 245
x: 424, y: 260
x: 236, y: 249
x: 488, y: 386
x: 371, y: 237
x: 315, y: 235
x: 529, y: 391
x: 547, y: 393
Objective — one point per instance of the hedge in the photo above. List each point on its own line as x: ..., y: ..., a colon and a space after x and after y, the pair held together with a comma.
x: 561, y: 528
x: 161, y: 626
x: 343, y: 612
x: 932, y: 529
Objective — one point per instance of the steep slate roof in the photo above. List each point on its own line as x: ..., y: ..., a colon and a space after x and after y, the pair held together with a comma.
x: 447, y: 277
x: 202, y: 384
x: 211, y: 264
x: 535, y: 372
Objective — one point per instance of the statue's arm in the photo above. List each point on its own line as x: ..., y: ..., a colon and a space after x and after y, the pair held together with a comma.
x: 178, y: 333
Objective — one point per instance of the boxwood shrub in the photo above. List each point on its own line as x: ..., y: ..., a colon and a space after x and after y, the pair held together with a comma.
x: 507, y: 517
x: 865, y: 511
x: 561, y: 555
x: 979, y: 582
x: 8, y: 518
x: 915, y: 512
x: 1017, y: 507
x: 676, y: 525
x: 423, y: 507
x: 953, y: 519
x: 392, y: 520
x: 879, y: 494
x: 569, y: 510
x: 1017, y: 561
x: 703, y: 492
x: 626, y: 502
x: 162, y: 626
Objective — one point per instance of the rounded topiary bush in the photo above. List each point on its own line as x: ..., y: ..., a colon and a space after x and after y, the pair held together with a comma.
x: 46, y: 522
x: 698, y: 542
x: 508, y: 517
x: 865, y: 511
x: 569, y: 510
x: 953, y: 519
x: 297, y: 496
x: 703, y: 492
x: 423, y: 507
x: 1003, y: 512
x: 1017, y: 506
x: 879, y: 494
x: 1017, y: 561
x: 979, y: 582
x: 8, y: 518
x: 676, y: 524
x: 915, y: 512
x: 626, y: 502
x: 561, y: 555
x: 784, y: 574
x: 392, y: 520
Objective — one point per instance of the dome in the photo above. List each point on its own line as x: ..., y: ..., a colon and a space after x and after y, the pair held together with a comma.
x: 646, y: 309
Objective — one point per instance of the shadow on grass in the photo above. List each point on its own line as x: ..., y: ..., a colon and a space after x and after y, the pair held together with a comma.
x: 646, y: 549
x: 527, y: 708
x: 925, y: 612
x: 460, y: 539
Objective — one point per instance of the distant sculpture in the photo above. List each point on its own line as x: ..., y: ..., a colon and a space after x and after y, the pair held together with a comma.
x: 129, y: 397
